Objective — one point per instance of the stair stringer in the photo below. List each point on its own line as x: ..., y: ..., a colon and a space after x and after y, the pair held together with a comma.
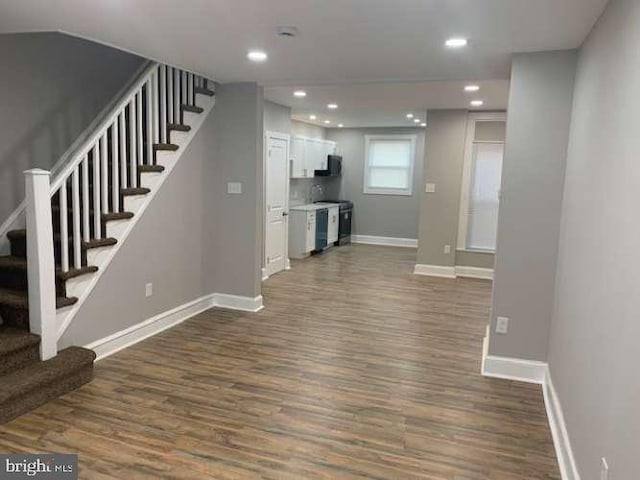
x: 81, y: 287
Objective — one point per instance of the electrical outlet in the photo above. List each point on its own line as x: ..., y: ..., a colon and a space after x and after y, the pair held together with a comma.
x: 502, y: 325
x: 234, y: 188
x: 447, y: 249
x: 430, y: 188
x: 148, y: 290
x: 604, y: 470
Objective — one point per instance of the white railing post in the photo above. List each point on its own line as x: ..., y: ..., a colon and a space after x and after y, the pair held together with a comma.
x: 41, y: 261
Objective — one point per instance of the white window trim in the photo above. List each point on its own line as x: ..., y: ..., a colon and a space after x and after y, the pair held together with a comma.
x: 407, y: 192
x: 467, y: 170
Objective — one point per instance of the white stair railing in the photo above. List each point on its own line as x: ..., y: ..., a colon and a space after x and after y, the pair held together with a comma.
x: 92, y: 183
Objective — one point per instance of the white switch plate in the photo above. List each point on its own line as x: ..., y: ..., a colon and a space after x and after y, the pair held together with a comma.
x: 430, y: 188
x: 604, y: 471
x: 502, y: 325
x: 234, y: 187
x: 447, y: 249
x: 148, y: 289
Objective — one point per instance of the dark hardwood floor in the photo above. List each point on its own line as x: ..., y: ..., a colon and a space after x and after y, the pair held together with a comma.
x: 356, y: 369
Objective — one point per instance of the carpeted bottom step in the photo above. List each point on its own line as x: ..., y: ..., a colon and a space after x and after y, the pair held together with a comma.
x: 23, y: 390
x: 18, y: 348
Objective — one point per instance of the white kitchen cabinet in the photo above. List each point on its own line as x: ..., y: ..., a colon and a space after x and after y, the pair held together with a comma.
x: 334, y: 222
x: 302, y: 233
x: 308, y: 155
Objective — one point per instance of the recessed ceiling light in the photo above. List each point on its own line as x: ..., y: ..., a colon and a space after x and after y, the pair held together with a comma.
x: 327, y: 122
x: 423, y: 124
x: 256, y: 56
x: 477, y: 103
x: 456, y: 42
x: 471, y: 88
x: 416, y: 120
x: 340, y: 125
x: 312, y: 117
x: 332, y: 106
x: 409, y: 115
x: 300, y: 93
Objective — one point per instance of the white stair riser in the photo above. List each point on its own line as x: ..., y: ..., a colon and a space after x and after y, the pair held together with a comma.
x: 165, y: 158
x: 116, y: 228
x: 189, y: 118
x: 77, y: 286
x: 149, y: 179
x: 98, y: 256
x: 133, y: 203
x: 179, y: 138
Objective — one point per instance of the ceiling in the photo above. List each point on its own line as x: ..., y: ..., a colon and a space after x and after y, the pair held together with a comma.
x: 385, y: 104
x: 349, y: 51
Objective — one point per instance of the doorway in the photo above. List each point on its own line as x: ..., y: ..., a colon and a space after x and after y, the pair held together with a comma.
x: 276, y: 153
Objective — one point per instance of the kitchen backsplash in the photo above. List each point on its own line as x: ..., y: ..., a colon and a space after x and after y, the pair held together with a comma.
x: 300, y: 189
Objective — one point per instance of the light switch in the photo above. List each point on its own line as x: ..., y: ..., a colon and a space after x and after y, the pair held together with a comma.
x: 430, y: 188
x: 234, y: 187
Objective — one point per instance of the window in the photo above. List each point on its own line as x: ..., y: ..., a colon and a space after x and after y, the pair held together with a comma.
x: 482, y: 174
x: 388, y: 168
x: 484, y: 199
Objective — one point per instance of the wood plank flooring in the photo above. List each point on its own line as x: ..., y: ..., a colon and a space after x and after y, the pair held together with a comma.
x: 356, y: 369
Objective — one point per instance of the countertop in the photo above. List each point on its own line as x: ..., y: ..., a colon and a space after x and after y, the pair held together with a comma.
x: 310, y: 207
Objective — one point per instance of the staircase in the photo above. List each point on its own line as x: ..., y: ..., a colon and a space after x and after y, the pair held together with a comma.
x: 75, y: 225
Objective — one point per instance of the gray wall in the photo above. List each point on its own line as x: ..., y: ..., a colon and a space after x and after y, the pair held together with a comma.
x: 277, y: 118
x: 593, y: 351
x: 51, y: 87
x: 378, y: 215
x: 444, y: 159
x: 194, y: 239
x: 532, y: 181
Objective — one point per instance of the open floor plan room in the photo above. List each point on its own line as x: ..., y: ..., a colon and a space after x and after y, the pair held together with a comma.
x: 370, y: 373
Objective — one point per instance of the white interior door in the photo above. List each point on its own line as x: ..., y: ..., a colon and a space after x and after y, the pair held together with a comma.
x: 276, y: 196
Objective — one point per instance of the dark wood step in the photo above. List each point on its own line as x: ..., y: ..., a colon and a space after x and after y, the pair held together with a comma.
x: 165, y: 147
x: 150, y: 168
x: 103, y: 242
x: 127, y: 192
x: 191, y: 108
x: 178, y: 127
x: 18, y: 349
x: 27, y: 388
x: 205, y: 91
x: 19, y: 300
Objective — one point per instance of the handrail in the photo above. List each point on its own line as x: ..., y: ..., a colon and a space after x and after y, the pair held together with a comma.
x: 108, y: 120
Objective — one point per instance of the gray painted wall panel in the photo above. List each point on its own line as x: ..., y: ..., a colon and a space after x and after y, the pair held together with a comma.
x: 593, y: 351
x: 532, y: 181
x: 444, y: 158
x: 51, y: 88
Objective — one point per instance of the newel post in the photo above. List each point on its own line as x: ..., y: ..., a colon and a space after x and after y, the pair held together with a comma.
x: 41, y: 261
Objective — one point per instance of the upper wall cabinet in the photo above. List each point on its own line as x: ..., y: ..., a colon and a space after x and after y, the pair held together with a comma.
x: 308, y: 155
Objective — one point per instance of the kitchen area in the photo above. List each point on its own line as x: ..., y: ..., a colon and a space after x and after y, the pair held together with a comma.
x: 318, y: 218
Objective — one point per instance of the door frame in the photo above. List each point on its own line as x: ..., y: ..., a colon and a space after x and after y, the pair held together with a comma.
x: 265, y: 164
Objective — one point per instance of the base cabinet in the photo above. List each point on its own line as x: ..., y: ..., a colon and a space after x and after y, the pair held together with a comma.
x: 302, y: 233
x: 334, y: 223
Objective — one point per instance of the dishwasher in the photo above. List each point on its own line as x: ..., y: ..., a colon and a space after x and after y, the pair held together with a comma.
x: 322, y: 227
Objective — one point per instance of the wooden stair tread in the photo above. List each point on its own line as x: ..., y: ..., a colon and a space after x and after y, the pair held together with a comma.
x: 178, y: 127
x: 108, y: 217
x: 25, y: 380
x: 75, y: 272
x: 134, y: 191
x: 192, y: 108
x: 166, y: 147
x: 205, y: 91
x: 150, y: 168
x: 20, y: 300
x: 20, y: 264
x: 102, y: 242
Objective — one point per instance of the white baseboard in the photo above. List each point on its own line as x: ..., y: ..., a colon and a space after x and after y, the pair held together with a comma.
x: 435, y: 271
x: 561, y: 442
x: 536, y: 372
x: 236, y: 302
x: 386, y: 241
x: 474, y: 272
x: 136, y: 333
x: 453, y: 272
